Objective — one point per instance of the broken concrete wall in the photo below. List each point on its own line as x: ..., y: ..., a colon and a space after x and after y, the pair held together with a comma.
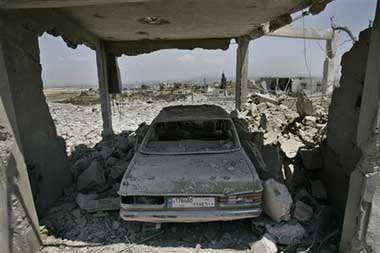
x: 21, y: 92
x: 362, y: 216
x: 341, y: 152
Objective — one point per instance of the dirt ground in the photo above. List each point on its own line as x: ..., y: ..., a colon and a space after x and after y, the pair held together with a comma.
x: 60, y: 94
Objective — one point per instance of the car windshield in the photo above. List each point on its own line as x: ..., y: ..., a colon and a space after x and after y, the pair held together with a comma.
x: 192, y: 136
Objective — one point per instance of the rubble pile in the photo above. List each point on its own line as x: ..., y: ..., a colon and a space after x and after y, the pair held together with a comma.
x: 280, y: 121
x: 284, y: 147
x: 284, y: 136
x: 97, y: 173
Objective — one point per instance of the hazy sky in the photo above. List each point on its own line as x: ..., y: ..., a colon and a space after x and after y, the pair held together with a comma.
x: 267, y: 57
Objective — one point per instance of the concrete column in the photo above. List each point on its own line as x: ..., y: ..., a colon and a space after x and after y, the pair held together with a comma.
x: 241, y: 92
x: 34, y: 161
x: 328, y: 76
x: 329, y: 67
x: 22, y: 92
x: 362, y: 216
x: 113, y: 75
x: 105, y: 103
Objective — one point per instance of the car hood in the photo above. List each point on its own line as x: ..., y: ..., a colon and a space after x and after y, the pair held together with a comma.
x: 197, y: 174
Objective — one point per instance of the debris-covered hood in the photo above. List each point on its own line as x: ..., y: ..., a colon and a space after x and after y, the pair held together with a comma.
x: 201, y: 174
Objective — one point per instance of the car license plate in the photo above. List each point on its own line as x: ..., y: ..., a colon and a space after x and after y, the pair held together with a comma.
x: 191, y: 202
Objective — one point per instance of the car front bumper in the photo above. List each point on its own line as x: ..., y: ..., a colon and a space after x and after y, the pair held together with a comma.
x: 158, y: 216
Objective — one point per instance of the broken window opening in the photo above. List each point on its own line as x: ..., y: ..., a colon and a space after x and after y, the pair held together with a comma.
x: 191, y: 136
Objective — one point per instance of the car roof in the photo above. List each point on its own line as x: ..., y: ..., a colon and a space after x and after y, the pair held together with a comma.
x: 191, y: 112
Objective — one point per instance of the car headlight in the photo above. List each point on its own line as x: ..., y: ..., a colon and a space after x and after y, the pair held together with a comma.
x: 241, y: 199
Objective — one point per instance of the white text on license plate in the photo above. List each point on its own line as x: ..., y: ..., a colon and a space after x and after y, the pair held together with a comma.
x: 191, y: 202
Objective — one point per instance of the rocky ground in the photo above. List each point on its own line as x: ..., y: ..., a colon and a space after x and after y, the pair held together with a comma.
x: 283, y: 134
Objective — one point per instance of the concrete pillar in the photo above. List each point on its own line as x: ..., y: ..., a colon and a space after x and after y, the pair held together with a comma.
x: 242, y: 52
x: 113, y: 75
x: 328, y: 76
x: 22, y: 92
x: 34, y: 164
x: 105, y: 103
x: 362, y: 216
x: 329, y: 67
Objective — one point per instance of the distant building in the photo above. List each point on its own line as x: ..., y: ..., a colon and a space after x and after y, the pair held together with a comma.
x: 291, y: 84
x: 223, y: 82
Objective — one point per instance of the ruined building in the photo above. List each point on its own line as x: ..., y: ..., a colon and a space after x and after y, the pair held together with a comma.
x: 34, y: 164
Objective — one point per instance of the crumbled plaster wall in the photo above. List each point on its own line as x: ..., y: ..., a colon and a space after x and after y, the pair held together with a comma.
x: 22, y: 94
x: 341, y: 152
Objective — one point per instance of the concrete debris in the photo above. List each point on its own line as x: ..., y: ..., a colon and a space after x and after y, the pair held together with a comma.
x: 92, y: 177
x: 255, y: 155
x: 302, y: 212
x: 290, y: 147
x: 286, y: 233
x: 304, y: 105
x: 98, y: 205
x: 265, y: 245
x: 264, y: 98
x: 82, y: 199
x: 277, y: 200
x: 117, y: 172
x: 4, y: 135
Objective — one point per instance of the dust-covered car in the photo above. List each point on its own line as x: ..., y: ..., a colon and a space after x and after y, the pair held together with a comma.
x: 190, y: 167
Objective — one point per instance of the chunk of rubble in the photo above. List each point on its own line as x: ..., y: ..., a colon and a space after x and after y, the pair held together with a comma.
x: 92, y: 177
x: 264, y: 245
x: 264, y: 98
x: 117, y: 172
x: 82, y: 199
x: 286, y: 233
x: 290, y: 147
x: 309, y: 121
x: 101, y: 205
x: 302, y: 212
x: 277, y: 200
x: 304, y: 105
x: 255, y: 155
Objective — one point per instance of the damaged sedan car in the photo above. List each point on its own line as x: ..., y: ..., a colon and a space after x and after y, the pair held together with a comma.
x: 190, y: 167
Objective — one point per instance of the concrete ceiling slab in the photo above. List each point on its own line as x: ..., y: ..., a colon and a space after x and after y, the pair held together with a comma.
x: 177, y: 20
x: 141, y: 26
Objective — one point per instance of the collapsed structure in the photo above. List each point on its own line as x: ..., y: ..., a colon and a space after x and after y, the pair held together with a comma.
x: 34, y: 165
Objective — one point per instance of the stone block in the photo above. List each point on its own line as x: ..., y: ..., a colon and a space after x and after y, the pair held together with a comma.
x: 82, y: 199
x: 277, y: 200
x: 92, y: 177
x: 99, y: 205
x: 265, y: 245
x: 302, y: 211
x: 287, y: 233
